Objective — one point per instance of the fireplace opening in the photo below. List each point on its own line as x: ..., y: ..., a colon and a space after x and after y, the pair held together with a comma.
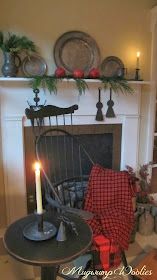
x: 103, y: 143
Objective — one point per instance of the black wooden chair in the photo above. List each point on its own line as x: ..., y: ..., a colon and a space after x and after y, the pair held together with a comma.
x: 66, y: 164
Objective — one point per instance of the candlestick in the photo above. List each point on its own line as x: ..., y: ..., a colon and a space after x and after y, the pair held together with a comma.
x: 138, y: 60
x: 38, y: 229
x: 38, y: 188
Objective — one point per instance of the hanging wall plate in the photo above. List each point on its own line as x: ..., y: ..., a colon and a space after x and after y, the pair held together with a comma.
x: 76, y: 50
x: 112, y: 66
x: 34, y: 65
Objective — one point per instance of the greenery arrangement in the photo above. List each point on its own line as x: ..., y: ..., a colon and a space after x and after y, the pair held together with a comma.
x: 141, y: 182
x: 15, y: 44
x: 116, y: 84
x: 50, y: 83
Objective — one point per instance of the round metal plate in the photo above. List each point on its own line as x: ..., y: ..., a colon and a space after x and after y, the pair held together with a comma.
x: 34, y: 65
x: 31, y: 231
x: 76, y: 50
x: 112, y: 66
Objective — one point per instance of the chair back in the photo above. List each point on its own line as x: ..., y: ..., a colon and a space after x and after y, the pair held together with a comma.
x: 65, y: 162
x: 49, y: 116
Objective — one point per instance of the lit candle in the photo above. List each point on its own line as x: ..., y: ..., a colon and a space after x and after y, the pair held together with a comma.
x: 38, y: 188
x: 138, y: 60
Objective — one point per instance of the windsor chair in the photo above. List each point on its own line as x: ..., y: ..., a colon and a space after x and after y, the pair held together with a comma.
x: 66, y: 163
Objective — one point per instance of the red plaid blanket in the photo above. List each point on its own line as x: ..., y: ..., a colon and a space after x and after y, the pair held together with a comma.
x: 109, y: 197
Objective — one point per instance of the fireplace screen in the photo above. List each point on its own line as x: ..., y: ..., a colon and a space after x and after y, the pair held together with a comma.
x: 102, y: 142
x: 98, y: 146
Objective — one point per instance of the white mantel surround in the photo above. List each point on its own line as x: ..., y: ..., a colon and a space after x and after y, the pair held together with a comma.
x: 15, y: 92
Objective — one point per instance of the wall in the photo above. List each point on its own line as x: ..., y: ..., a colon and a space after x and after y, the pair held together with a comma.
x: 120, y: 27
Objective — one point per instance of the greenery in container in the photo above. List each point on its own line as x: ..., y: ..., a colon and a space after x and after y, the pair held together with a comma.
x: 141, y: 189
x: 13, y: 43
x: 141, y: 182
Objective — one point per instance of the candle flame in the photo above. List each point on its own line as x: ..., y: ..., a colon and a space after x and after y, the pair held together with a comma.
x: 138, y: 54
x: 37, y: 166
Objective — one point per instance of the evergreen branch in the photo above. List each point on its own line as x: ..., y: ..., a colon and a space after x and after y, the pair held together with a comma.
x: 15, y: 43
x: 81, y: 85
x: 116, y: 84
x: 36, y: 82
x: 50, y: 83
x: 45, y: 82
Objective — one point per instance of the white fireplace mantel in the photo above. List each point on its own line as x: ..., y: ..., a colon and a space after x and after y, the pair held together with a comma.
x: 130, y: 110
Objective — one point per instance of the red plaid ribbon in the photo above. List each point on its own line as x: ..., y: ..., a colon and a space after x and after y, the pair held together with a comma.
x: 109, y: 197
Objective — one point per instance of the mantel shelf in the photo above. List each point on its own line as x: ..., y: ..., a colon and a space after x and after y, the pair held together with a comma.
x: 24, y: 79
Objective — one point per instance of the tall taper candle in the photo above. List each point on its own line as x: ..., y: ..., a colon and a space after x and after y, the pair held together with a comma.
x: 138, y: 60
x: 38, y: 188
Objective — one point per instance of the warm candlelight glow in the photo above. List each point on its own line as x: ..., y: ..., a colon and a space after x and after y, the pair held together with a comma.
x: 138, y: 54
x: 38, y: 188
x: 137, y: 60
x: 37, y: 166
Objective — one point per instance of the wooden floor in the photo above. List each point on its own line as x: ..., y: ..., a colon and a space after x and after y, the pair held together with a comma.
x: 11, y: 269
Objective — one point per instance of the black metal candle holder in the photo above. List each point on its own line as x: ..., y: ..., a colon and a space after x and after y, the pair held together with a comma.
x: 39, y: 230
x: 137, y: 75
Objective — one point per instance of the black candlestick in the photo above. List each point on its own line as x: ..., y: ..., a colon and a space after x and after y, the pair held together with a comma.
x: 39, y: 230
x: 137, y: 74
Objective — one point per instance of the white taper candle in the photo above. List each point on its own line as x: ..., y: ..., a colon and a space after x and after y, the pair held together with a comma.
x: 138, y: 60
x: 38, y: 188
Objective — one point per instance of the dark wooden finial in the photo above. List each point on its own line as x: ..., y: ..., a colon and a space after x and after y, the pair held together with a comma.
x: 110, y: 112
x: 99, y: 105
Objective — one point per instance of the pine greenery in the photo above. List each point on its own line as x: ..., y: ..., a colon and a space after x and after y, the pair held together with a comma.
x: 117, y: 84
x: 15, y: 44
x: 45, y: 82
x: 50, y: 82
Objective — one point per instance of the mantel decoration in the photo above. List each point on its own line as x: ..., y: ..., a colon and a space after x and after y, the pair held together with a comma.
x: 12, y: 45
x: 137, y: 71
x: 99, y: 105
x: 50, y: 82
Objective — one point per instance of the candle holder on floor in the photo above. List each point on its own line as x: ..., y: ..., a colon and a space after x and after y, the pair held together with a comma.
x: 39, y: 230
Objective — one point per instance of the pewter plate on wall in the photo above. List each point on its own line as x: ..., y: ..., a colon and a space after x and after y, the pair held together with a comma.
x: 76, y: 50
x: 112, y: 66
x: 34, y: 65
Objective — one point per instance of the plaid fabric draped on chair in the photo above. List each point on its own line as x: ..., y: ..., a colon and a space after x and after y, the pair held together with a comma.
x: 109, y: 197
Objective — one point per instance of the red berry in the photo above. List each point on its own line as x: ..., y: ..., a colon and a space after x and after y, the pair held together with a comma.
x: 78, y: 73
x: 60, y: 72
x: 94, y: 73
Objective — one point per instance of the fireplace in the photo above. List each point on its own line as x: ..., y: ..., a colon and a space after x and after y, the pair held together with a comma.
x: 102, y: 142
x: 14, y: 94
